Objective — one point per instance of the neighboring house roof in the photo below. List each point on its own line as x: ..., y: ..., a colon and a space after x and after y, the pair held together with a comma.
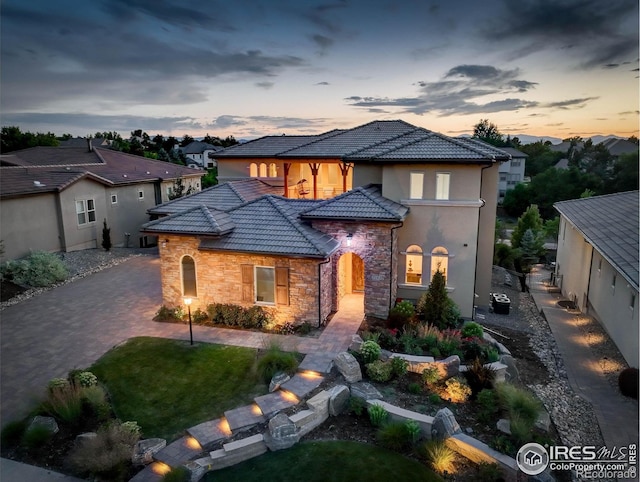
x: 617, y: 147
x: 361, y: 203
x: 610, y: 224
x: 380, y: 141
x: 24, y: 172
x: 562, y: 164
x: 199, y: 220
x: 513, y: 152
x: 83, y: 142
x: 564, y: 146
x: 221, y: 196
x: 198, y: 147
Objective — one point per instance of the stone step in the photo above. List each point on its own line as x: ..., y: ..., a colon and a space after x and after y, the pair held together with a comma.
x: 208, y: 433
x: 272, y: 403
x: 303, y: 383
x: 318, y: 362
x: 243, y: 418
x: 179, y: 452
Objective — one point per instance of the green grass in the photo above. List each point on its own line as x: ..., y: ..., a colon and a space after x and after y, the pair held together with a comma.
x: 168, y: 386
x: 327, y: 462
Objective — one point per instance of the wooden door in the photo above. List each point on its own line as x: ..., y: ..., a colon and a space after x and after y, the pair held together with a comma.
x: 357, y: 273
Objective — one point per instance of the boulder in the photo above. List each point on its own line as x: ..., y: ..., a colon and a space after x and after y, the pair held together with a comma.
x: 277, y: 380
x: 348, y: 367
x: 356, y: 343
x: 444, y: 425
x: 282, y: 433
x: 504, y: 426
x: 48, y: 423
x: 365, y: 391
x: 511, y: 375
x: 144, y: 450
x: 338, y: 399
x: 543, y: 422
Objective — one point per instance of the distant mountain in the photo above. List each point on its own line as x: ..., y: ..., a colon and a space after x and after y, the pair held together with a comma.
x: 528, y: 139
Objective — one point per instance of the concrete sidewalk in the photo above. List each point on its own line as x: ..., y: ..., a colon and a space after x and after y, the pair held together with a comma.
x: 617, y: 415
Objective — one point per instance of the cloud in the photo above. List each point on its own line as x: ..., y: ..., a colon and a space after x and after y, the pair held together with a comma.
x: 265, y: 85
x: 595, y: 34
x: 323, y: 42
x: 322, y: 83
x: 570, y: 103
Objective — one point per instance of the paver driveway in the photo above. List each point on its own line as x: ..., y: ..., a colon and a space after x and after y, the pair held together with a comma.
x: 72, y: 326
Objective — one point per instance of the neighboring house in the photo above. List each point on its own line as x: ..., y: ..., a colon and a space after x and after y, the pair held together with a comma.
x: 376, y: 209
x: 597, y: 263
x: 200, y: 154
x: 617, y: 147
x: 56, y: 198
x: 511, y: 172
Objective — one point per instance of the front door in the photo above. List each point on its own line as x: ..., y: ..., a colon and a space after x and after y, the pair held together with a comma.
x: 357, y: 273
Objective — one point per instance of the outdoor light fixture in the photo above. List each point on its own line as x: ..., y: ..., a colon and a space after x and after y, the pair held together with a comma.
x: 187, y: 301
x: 349, y: 238
x: 164, y: 243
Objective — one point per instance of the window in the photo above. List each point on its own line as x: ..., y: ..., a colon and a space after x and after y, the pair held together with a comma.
x: 253, y: 169
x: 265, y: 285
x: 442, y: 185
x: 613, y: 283
x: 632, y: 302
x: 140, y: 194
x: 439, y: 261
x: 189, y: 277
x: 114, y: 199
x: 503, y: 176
x: 413, y: 268
x: 273, y: 170
x: 515, y: 162
x: 86, y: 211
x: 416, y: 185
x: 263, y: 170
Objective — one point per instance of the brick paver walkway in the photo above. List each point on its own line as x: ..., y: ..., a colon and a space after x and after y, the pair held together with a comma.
x: 75, y: 324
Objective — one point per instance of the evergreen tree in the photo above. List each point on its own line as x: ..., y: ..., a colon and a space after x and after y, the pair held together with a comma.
x: 106, y: 236
x: 435, y: 307
x: 530, y: 219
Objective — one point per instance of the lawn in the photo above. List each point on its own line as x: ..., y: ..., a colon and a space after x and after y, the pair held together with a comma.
x: 328, y: 461
x: 167, y: 385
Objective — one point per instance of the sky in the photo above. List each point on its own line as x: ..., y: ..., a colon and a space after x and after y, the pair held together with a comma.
x: 244, y: 68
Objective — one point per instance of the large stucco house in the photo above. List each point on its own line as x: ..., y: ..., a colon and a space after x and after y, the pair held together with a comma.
x: 597, y: 263
x: 300, y: 221
x: 56, y: 198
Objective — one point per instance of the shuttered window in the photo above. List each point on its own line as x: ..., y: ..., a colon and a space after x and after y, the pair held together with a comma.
x: 282, y: 286
x: 247, y: 283
x: 262, y: 284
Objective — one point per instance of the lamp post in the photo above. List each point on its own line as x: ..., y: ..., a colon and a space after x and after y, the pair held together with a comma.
x: 187, y: 301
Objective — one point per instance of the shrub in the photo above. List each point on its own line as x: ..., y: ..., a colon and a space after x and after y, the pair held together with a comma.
x: 410, y: 344
x: 132, y: 426
x: 165, y: 313
x: 488, y: 406
x: 58, y: 384
x: 439, y: 456
x: 455, y: 390
x: 472, y: 330
x: 387, y: 339
x: 236, y: 316
x: 256, y: 317
x: 83, y: 378
x: 399, y: 367
x: 95, y: 402
x: 518, y: 402
x: 401, y: 314
x: 428, y: 342
x: 413, y: 430
x: 395, y: 436
x: 379, y: 371
x: 487, y: 472
x: 36, y: 436
x: 430, y: 376
x: 479, y: 376
x: 472, y: 348
x: 304, y: 328
x: 450, y: 346
x: 38, y: 269
x: 357, y: 406
x: 435, y: 399
x: 491, y: 354
x: 370, y: 351
x: 65, y: 404
x: 12, y: 433
x: 628, y: 382
x: 276, y: 360
x: 377, y: 415
x: 177, y: 474
x: 520, y: 428
x: 199, y: 317
x: 371, y: 336
x: 107, y: 455
x: 503, y: 444
x: 414, y: 388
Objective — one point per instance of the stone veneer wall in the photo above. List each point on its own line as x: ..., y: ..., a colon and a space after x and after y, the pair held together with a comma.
x: 372, y: 241
x: 219, y: 279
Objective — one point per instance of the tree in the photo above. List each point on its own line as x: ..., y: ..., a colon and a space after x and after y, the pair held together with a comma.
x: 488, y: 132
x: 210, y: 178
x: 178, y: 189
x: 186, y: 140
x: 106, y: 236
x: 624, y: 174
x: 530, y: 220
x: 163, y: 155
x: 532, y: 246
x: 13, y: 139
x: 517, y: 200
x: 435, y: 307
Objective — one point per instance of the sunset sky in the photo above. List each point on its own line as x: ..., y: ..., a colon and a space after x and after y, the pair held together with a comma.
x: 252, y: 68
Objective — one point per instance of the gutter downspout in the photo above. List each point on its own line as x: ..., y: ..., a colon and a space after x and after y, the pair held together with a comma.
x: 391, y: 270
x: 475, y: 269
x: 320, y: 291
x: 586, y: 304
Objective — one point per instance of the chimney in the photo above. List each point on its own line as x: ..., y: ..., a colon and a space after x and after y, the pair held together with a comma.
x: 89, y: 144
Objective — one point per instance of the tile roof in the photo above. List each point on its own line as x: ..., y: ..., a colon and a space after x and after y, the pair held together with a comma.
x: 199, y: 220
x: 198, y: 147
x: 269, y: 225
x: 361, y: 203
x: 58, y: 167
x: 381, y: 141
x: 513, y: 152
x: 610, y: 224
x: 221, y: 196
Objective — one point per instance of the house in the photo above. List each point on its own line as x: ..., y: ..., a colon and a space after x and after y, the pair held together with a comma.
x: 597, y: 263
x: 300, y: 221
x: 511, y: 172
x: 56, y: 198
x: 200, y: 154
x: 617, y: 147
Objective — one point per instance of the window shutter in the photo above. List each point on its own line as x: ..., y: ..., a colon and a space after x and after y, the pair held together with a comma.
x: 247, y: 283
x: 282, y: 286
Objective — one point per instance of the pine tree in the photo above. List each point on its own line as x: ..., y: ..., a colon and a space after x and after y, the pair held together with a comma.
x: 106, y: 236
x: 435, y: 307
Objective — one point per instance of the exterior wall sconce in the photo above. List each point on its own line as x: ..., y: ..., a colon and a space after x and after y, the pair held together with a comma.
x: 349, y: 239
x: 164, y: 243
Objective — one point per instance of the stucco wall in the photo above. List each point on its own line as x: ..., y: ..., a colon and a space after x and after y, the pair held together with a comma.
x: 88, y: 235
x: 128, y: 213
x: 219, y: 279
x: 29, y: 223
x: 486, y: 235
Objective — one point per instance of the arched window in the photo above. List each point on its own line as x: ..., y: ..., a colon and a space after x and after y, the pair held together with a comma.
x: 188, y: 266
x: 253, y: 169
x: 263, y: 170
x: 273, y: 170
x: 439, y: 261
x: 413, y: 266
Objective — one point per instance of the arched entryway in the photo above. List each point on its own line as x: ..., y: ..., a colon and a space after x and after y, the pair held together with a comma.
x: 351, y: 280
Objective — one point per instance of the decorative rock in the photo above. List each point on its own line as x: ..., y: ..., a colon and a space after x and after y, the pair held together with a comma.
x: 356, y: 343
x: 469, y: 430
x: 85, y: 437
x: 365, y: 391
x: 504, y: 426
x: 277, y: 380
x: 444, y: 425
x: 543, y: 422
x: 385, y: 355
x: 338, y: 400
x: 348, y: 366
x: 282, y: 433
x: 144, y: 450
x: 46, y: 422
x: 511, y: 375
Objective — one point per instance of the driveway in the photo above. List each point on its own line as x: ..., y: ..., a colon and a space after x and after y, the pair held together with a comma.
x: 72, y: 326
